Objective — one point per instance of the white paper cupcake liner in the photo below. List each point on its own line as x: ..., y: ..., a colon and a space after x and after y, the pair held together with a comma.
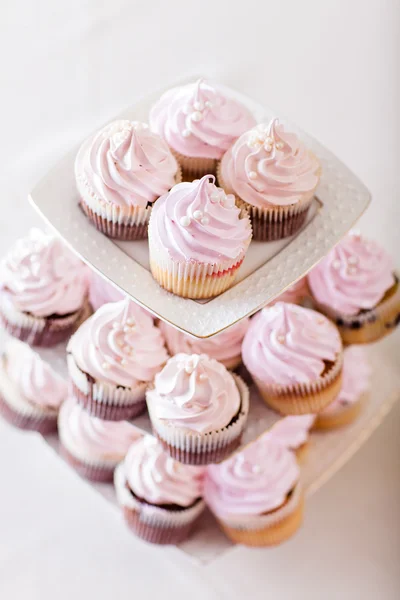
x: 191, y: 447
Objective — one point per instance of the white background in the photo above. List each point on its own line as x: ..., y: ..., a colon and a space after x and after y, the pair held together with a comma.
x: 65, y: 68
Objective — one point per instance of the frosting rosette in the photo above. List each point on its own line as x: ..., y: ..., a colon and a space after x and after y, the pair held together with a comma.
x: 224, y: 347
x: 354, y: 276
x: 197, y: 221
x: 119, y: 345
x: 199, y: 120
x: 125, y: 164
x: 90, y: 438
x: 288, y: 344
x: 270, y: 167
x: 291, y: 432
x: 254, y: 481
x: 42, y: 277
x: 356, y: 379
x: 156, y: 478
x: 34, y: 378
x: 194, y: 392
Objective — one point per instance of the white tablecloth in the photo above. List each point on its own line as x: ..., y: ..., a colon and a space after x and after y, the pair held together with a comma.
x: 67, y: 67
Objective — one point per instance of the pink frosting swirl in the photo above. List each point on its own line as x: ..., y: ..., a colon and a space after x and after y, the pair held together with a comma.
x: 195, y: 392
x: 292, y: 431
x: 125, y: 164
x: 43, y: 277
x: 119, y: 345
x: 356, y: 378
x: 268, y: 166
x: 254, y: 481
x: 288, y: 344
x: 36, y: 380
x: 198, y: 221
x: 93, y: 437
x: 199, y: 120
x: 224, y: 347
x: 354, y: 275
x: 156, y: 478
x: 101, y: 292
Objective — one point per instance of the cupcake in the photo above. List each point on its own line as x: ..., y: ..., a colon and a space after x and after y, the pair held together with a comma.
x: 275, y: 175
x: 356, y: 287
x: 354, y: 392
x: 90, y: 445
x: 226, y: 347
x: 294, y: 294
x: 255, y: 495
x: 102, y: 292
x: 43, y: 290
x: 197, y: 239
x: 30, y: 391
x: 294, y: 355
x: 112, y: 358
x: 161, y: 498
x: 293, y: 433
x: 120, y: 172
x: 198, y: 409
x: 199, y: 123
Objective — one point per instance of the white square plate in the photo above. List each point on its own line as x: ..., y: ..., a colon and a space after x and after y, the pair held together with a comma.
x: 269, y: 268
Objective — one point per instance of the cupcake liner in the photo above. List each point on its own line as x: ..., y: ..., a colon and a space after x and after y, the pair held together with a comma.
x: 121, y: 223
x: 105, y: 401
x: 270, y: 529
x: 97, y: 472
x: 195, y: 167
x: 304, y: 398
x: 191, y: 279
x: 40, y: 331
x: 153, y: 523
x: 344, y: 415
x: 193, y: 448
x: 370, y: 325
x: 275, y: 222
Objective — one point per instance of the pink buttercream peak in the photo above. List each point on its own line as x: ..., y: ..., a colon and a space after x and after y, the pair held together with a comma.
x: 199, y: 120
x: 288, y: 344
x: 356, y: 378
x: 254, y: 481
x: 354, y: 275
x: 292, y: 431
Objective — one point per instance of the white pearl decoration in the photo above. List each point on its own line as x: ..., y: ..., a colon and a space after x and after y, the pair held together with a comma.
x: 186, y: 133
x: 256, y: 469
x: 197, y: 214
x: 198, y: 105
x: 197, y: 116
x: 130, y: 321
x: 203, y: 376
x: 352, y: 260
x: 105, y: 365
x: 185, y: 221
x: 205, y: 220
x: 336, y: 264
x: 252, y: 175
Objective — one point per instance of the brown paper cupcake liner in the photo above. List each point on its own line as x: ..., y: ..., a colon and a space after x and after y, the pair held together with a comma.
x: 304, y: 398
x: 345, y: 415
x: 41, y: 331
x: 273, y: 223
x: 99, y: 473
x: 153, y: 523
x: 193, y: 448
x: 193, y: 167
x: 43, y: 424
x: 271, y: 535
x: 370, y: 325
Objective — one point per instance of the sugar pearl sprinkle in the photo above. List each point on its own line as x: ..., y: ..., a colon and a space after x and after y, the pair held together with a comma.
x: 260, y: 138
x: 185, y: 221
x: 195, y: 111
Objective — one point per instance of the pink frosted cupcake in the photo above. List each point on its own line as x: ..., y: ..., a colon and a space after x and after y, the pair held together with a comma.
x: 275, y: 175
x: 255, y: 495
x: 295, y: 358
x: 30, y: 391
x: 226, y: 347
x: 198, y: 409
x: 356, y: 287
x: 92, y: 446
x: 43, y: 290
x: 354, y: 393
x: 295, y: 294
x: 112, y: 358
x: 199, y: 123
x: 102, y: 292
x: 293, y: 433
x: 161, y: 498
x: 120, y: 172
x: 198, y: 239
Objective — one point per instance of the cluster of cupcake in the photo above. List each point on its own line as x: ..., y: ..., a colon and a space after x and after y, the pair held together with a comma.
x: 160, y: 181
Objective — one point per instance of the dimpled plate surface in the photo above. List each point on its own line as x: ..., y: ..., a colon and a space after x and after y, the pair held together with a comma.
x: 268, y: 270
